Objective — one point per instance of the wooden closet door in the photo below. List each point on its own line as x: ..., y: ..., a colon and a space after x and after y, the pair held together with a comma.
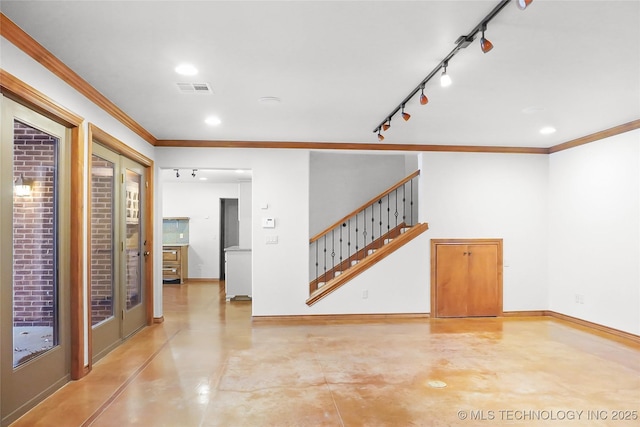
x: 451, y: 280
x: 466, y: 277
x: 482, y: 291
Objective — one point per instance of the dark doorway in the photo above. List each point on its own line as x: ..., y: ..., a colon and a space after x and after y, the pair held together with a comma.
x: 229, y: 228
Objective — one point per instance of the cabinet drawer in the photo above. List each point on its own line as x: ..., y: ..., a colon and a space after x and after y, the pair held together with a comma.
x: 171, y: 254
x: 171, y: 273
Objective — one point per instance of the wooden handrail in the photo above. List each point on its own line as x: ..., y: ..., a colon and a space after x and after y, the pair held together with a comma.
x: 364, y: 206
x: 366, y: 263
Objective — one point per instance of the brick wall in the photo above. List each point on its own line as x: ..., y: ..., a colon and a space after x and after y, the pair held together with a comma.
x: 102, y: 254
x: 34, y: 226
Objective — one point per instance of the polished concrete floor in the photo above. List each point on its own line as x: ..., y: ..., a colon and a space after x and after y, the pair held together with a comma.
x: 208, y: 364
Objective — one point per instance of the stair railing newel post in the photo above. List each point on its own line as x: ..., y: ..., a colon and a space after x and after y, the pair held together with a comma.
x: 404, y: 203
x: 341, y: 247
x: 349, y: 239
x: 333, y: 250
x: 396, y: 211
x: 317, y: 264
x: 388, y: 213
x: 411, y: 222
x: 364, y: 234
x: 356, y: 236
x: 380, y: 213
x: 325, y: 258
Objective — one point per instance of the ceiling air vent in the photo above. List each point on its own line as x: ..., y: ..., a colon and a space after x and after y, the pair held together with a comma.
x: 201, y: 88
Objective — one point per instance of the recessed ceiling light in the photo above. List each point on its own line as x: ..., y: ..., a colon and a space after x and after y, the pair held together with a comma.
x: 270, y: 100
x: 186, y: 70
x: 213, y: 121
x: 547, y: 130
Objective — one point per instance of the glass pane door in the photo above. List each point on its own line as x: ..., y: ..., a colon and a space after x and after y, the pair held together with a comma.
x: 35, y: 280
x: 34, y: 269
x: 134, y: 246
x: 133, y: 243
x: 106, y: 331
x: 102, y: 240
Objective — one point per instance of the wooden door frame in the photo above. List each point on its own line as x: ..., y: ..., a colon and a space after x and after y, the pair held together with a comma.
x: 222, y: 216
x: 17, y: 90
x: 103, y: 138
x: 436, y: 242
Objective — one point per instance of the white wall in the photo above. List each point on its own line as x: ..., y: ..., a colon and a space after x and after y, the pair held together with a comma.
x: 398, y: 284
x: 200, y: 202
x: 594, y: 250
x: 341, y: 182
x: 485, y: 195
x: 280, y: 180
x: 244, y: 214
x: 280, y: 272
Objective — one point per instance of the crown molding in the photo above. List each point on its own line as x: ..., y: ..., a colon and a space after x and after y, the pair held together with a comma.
x: 616, y: 130
x: 23, y: 41
x: 346, y: 146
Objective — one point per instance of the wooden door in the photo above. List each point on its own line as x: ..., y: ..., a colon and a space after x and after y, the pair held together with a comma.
x: 451, y: 281
x: 482, y: 280
x: 466, y: 278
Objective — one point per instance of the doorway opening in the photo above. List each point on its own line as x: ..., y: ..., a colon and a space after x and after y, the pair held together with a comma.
x: 204, y: 197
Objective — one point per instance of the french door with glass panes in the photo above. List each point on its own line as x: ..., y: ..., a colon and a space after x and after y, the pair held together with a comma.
x: 117, y: 249
x: 34, y: 258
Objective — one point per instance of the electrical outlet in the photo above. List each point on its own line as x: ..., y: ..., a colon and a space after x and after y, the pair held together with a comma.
x: 579, y: 299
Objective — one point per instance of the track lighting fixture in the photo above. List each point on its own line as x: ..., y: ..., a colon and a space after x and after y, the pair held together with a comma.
x: 177, y: 173
x: 522, y: 4
x: 405, y: 116
x: 485, y: 44
x: 193, y: 172
x: 445, y: 79
x: 423, y: 98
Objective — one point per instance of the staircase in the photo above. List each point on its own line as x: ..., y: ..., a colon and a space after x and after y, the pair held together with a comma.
x: 364, y: 237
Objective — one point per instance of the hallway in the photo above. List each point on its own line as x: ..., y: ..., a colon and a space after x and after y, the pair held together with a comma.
x: 208, y: 364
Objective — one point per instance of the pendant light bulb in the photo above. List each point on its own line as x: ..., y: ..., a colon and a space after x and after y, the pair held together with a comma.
x: 386, y: 125
x: 423, y: 98
x: 523, y: 4
x: 405, y: 116
x: 485, y: 44
x: 445, y: 80
x: 380, y: 136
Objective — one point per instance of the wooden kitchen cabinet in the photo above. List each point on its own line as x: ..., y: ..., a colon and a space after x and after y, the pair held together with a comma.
x: 175, y: 263
x: 466, y: 277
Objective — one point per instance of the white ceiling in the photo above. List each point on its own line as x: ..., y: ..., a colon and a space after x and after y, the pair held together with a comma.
x: 340, y: 68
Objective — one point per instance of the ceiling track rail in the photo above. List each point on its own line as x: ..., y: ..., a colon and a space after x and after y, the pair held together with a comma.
x: 461, y: 43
